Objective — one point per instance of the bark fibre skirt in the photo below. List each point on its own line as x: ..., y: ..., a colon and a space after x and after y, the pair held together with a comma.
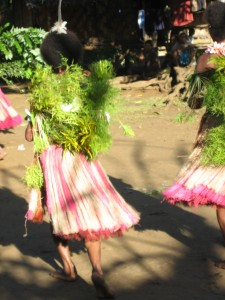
x: 80, y: 198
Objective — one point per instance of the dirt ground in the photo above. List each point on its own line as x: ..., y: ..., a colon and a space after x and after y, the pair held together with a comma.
x: 170, y: 255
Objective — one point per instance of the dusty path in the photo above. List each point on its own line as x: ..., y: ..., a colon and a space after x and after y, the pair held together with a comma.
x: 168, y: 256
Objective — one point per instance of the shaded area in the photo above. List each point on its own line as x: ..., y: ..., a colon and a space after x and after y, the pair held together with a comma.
x: 169, y: 255
x: 195, y: 263
x: 182, y: 226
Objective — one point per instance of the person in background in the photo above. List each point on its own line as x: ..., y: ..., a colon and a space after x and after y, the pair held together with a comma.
x: 182, y: 52
x: 151, y: 59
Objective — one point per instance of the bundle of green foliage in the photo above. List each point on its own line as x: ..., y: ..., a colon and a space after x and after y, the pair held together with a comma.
x: 214, y: 100
x: 72, y: 110
x: 19, y: 52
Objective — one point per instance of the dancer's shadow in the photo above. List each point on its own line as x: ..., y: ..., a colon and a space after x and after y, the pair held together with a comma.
x: 37, y: 244
x: 30, y: 238
x: 157, y: 214
x: 190, y: 229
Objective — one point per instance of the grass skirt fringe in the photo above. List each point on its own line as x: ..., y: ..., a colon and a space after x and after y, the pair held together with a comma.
x: 80, y: 199
x: 35, y: 211
x: 8, y: 116
x: 198, y: 184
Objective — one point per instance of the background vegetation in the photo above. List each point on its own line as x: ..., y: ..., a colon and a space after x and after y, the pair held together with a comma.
x: 19, y: 52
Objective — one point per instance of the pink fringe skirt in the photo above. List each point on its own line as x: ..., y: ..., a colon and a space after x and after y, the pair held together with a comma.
x: 8, y: 116
x: 198, y: 184
x: 80, y: 199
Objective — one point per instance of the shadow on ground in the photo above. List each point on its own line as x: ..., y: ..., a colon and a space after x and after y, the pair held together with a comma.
x: 181, y: 225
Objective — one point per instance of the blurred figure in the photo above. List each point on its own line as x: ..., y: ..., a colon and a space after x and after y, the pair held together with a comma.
x: 201, y: 181
x: 182, y: 53
x: 8, y: 118
x: 151, y: 59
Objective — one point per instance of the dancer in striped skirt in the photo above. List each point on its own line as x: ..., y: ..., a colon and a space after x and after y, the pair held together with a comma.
x: 80, y: 199
x: 202, y: 180
x: 8, y: 117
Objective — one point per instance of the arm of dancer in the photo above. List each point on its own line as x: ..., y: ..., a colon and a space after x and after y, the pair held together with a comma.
x: 203, y: 68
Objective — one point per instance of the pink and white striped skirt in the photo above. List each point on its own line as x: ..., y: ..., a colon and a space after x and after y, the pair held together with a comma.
x: 198, y: 184
x: 80, y: 199
x: 8, y: 116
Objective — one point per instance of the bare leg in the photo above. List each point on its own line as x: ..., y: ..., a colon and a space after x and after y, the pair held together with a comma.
x: 94, y: 253
x: 69, y: 272
x: 220, y: 212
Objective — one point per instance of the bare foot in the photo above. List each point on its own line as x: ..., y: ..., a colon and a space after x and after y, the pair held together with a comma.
x: 220, y: 265
x: 61, y: 275
x: 102, y: 290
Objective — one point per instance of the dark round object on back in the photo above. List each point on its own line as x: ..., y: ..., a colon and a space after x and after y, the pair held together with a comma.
x: 55, y: 46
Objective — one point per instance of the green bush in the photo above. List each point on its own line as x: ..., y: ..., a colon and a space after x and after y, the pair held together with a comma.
x: 19, y: 52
